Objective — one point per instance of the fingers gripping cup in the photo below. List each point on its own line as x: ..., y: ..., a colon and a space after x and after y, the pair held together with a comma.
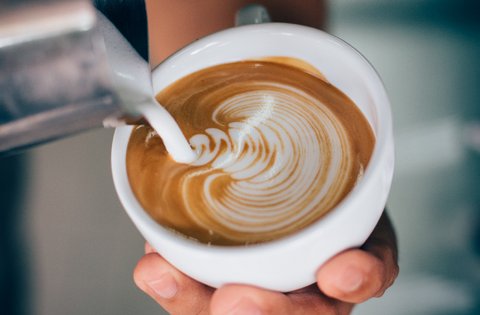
x: 293, y: 132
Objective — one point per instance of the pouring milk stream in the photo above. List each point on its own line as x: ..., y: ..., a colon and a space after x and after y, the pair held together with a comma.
x: 132, y: 77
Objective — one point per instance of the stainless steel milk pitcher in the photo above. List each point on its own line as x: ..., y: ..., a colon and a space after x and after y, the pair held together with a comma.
x: 53, y: 68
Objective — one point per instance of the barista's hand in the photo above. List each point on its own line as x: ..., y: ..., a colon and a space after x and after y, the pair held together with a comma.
x: 348, y: 278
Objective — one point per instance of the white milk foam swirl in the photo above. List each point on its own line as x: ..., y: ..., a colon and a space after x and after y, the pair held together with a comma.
x: 284, y: 157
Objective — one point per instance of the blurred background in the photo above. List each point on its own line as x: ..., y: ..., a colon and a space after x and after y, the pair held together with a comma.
x: 71, y: 248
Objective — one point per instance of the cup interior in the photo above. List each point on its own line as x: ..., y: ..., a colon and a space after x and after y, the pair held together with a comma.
x: 341, y: 64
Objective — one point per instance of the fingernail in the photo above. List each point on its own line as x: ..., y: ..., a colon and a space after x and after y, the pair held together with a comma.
x: 245, y: 307
x: 164, y: 287
x: 350, y: 280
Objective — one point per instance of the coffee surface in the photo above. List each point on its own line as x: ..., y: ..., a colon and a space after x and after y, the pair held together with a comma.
x: 278, y: 147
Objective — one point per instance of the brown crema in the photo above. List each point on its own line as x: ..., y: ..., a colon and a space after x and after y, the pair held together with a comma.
x: 278, y: 147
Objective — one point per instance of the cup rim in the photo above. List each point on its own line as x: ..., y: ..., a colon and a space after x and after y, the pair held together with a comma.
x: 382, y: 137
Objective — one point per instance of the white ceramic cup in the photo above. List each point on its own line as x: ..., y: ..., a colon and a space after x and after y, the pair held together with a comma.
x: 291, y: 262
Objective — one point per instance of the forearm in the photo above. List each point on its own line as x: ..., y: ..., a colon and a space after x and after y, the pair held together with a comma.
x: 175, y: 23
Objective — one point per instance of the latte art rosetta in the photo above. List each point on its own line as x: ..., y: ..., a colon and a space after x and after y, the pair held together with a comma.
x: 280, y: 160
x: 277, y: 149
